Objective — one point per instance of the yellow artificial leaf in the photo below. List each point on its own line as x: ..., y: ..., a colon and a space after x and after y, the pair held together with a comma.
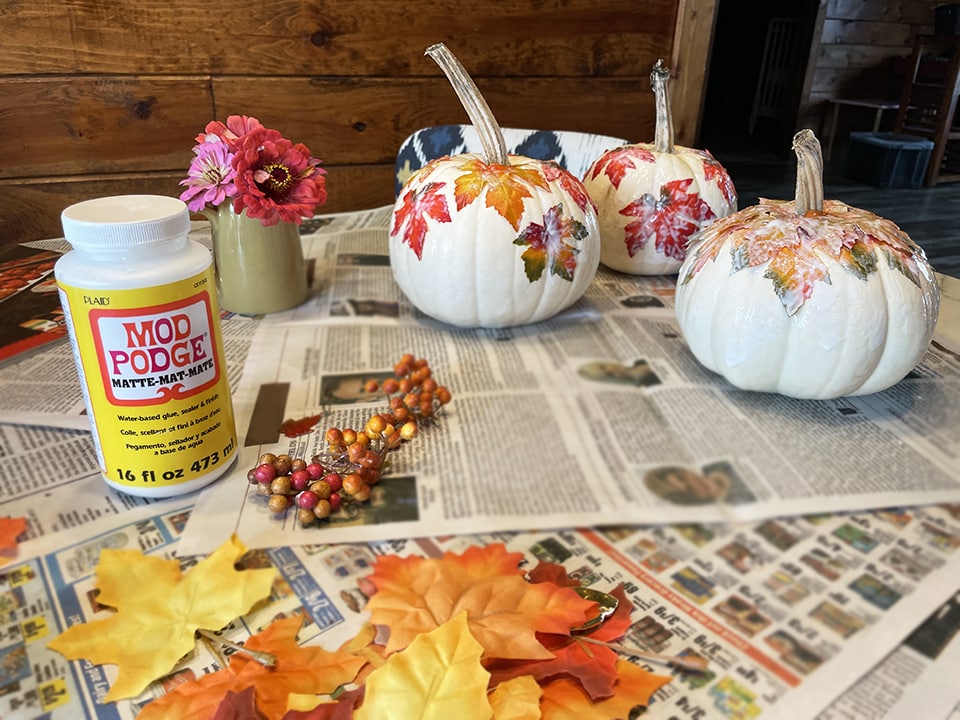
x: 158, y: 611
x: 565, y: 698
x: 517, y: 699
x: 439, y: 676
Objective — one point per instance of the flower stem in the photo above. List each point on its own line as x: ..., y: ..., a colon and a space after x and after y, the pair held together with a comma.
x: 809, y: 195
x: 663, y: 137
x: 491, y: 137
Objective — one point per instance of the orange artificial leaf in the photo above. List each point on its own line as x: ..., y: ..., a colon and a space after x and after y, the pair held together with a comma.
x: 439, y: 676
x: 593, y: 665
x: 294, y: 428
x: 299, y: 670
x: 10, y: 529
x: 158, y: 611
x: 505, y: 612
x: 564, y: 699
x: 517, y: 699
x: 506, y: 186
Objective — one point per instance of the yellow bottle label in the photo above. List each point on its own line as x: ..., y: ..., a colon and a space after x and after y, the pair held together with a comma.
x: 155, y: 380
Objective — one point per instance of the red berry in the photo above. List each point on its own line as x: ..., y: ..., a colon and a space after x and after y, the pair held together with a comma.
x: 334, y: 481
x: 315, y: 470
x: 335, y: 501
x: 307, y: 500
x: 299, y: 479
x: 265, y: 473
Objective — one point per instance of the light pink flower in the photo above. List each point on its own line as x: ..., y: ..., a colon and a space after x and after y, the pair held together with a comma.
x: 210, y: 179
x: 232, y: 133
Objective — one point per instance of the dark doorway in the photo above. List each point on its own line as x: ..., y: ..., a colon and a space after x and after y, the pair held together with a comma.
x: 757, y: 68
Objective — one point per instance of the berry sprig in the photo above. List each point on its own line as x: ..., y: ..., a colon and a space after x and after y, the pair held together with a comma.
x: 353, y: 461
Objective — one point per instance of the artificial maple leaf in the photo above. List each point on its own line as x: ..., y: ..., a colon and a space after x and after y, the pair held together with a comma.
x: 549, y: 245
x: 551, y: 572
x: 714, y: 171
x: 294, y: 428
x: 341, y: 709
x: 240, y: 705
x: 158, y: 611
x: 616, y: 163
x: 794, y: 274
x: 593, y: 665
x: 439, y: 676
x: 415, y: 595
x: 564, y: 699
x: 505, y: 185
x: 517, y: 699
x: 410, y: 218
x: 554, y: 173
x: 10, y: 529
x: 301, y: 670
x: 671, y: 219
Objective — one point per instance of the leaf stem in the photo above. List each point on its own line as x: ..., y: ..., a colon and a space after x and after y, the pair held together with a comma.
x: 694, y: 664
x: 264, y: 658
x: 663, y: 135
x: 809, y: 195
x: 491, y: 137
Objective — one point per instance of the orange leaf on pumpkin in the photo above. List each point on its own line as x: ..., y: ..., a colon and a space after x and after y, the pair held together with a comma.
x: 506, y: 186
x: 564, y: 699
x: 299, y: 670
x: 505, y: 612
x: 158, y: 611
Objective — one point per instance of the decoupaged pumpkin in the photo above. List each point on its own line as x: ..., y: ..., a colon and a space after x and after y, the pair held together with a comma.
x: 491, y: 240
x: 807, y: 298
x: 652, y: 197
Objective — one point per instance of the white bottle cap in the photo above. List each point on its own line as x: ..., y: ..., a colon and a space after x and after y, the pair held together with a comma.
x: 124, y: 220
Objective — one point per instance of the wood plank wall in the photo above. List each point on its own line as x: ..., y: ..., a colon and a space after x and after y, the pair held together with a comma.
x: 856, y: 50
x: 102, y: 98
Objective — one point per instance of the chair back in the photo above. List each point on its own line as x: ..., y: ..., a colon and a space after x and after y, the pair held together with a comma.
x: 574, y: 151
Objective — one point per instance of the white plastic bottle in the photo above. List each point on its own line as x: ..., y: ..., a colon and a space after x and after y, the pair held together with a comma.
x: 141, y: 308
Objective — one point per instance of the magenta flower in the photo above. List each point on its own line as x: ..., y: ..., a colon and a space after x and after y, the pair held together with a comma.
x: 275, y: 179
x: 210, y: 178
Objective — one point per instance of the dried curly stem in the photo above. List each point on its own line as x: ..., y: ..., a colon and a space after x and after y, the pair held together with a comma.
x: 663, y: 137
x: 491, y: 137
x: 809, y: 195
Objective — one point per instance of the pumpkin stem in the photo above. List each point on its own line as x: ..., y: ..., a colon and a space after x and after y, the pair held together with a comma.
x: 491, y: 137
x: 663, y: 137
x: 809, y: 195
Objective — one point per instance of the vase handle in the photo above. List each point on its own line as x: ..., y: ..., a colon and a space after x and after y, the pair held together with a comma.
x: 213, y: 215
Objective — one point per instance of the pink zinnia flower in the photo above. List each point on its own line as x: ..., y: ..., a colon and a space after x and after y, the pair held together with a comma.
x: 232, y: 133
x: 210, y: 178
x: 276, y: 179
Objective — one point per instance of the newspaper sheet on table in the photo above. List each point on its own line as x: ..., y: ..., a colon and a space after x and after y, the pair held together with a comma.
x: 788, y: 613
x: 598, y: 416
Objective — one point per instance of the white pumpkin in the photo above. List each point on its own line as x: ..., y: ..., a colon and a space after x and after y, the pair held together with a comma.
x: 491, y: 240
x: 807, y: 298
x: 652, y: 197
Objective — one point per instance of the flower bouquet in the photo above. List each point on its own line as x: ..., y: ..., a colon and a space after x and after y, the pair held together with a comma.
x: 255, y: 186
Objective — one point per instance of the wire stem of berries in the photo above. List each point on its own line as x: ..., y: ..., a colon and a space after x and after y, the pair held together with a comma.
x: 353, y: 462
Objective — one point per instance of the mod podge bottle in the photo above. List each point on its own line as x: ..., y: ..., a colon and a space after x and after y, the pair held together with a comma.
x: 141, y: 308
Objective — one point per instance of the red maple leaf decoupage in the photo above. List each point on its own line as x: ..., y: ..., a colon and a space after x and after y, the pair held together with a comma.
x: 549, y: 246
x: 714, y: 171
x: 618, y: 162
x: 410, y: 219
x: 671, y: 219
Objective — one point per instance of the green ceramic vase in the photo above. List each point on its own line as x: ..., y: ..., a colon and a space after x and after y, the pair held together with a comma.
x: 259, y: 269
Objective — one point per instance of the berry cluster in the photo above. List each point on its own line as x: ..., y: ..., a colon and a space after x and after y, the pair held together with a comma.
x: 352, y: 463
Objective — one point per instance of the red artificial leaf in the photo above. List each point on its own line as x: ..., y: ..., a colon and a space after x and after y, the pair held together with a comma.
x: 294, y: 428
x: 593, y: 665
x: 10, y: 529
x: 671, y: 219
x: 417, y: 206
x: 616, y: 163
x: 549, y: 246
x: 505, y: 186
x: 714, y: 171
x: 238, y: 706
x: 554, y: 173
x: 551, y: 572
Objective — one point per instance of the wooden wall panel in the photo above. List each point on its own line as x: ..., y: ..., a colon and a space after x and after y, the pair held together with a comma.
x: 105, y: 98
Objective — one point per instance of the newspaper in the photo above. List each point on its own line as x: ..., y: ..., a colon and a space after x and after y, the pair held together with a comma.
x: 598, y: 416
x: 788, y: 613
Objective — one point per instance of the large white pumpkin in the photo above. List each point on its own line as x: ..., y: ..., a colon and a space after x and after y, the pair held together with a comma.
x: 491, y: 240
x: 807, y: 298
x: 652, y: 197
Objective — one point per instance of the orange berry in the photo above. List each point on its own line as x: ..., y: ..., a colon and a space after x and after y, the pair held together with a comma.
x: 390, y: 386
x: 443, y: 395
x: 352, y: 483
x: 363, y: 493
x: 371, y: 386
x: 429, y: 385
x: 349, y: 436
x: 409, y: 430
